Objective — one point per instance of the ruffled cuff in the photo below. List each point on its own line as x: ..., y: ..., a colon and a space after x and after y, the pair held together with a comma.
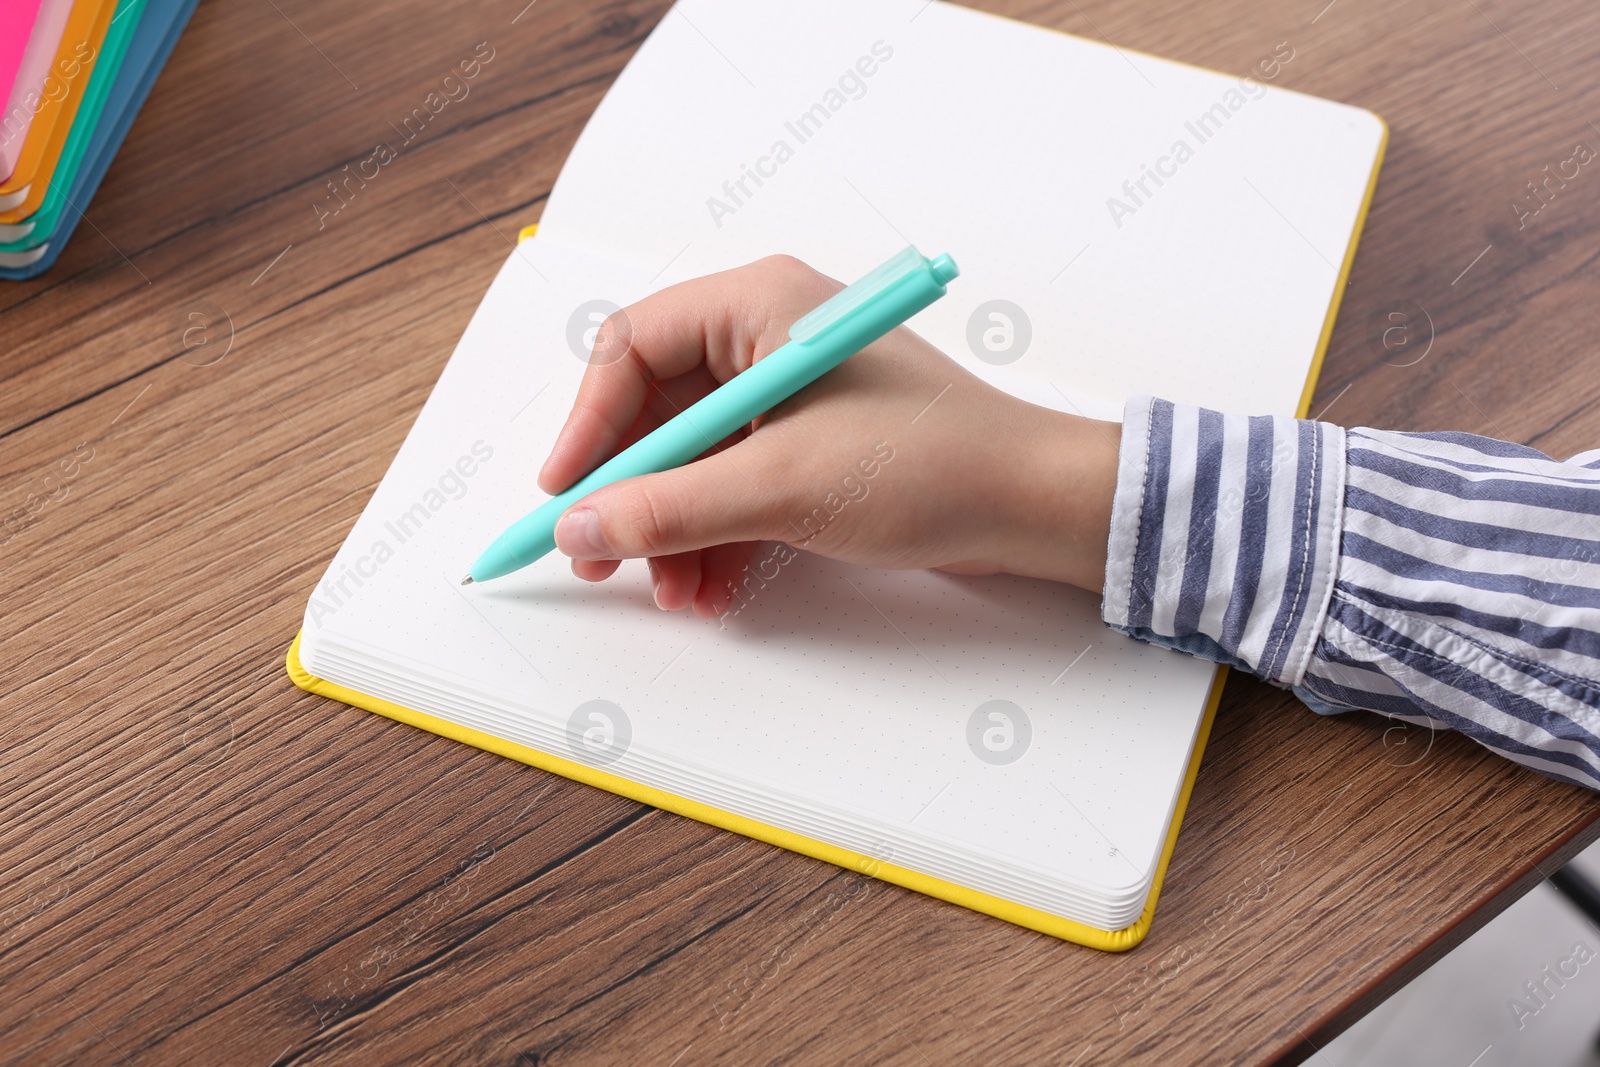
x: 1225, y: 534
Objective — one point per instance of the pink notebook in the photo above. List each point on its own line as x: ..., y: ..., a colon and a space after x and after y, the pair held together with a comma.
x: 30, y: 34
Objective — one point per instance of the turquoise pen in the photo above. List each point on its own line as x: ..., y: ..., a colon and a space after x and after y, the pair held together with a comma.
x: 818, y: 341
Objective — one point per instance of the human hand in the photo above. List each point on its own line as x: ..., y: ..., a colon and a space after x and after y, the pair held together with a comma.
x: 898, y: 458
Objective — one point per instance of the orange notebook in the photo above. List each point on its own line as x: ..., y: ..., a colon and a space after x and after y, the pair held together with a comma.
x: 57, y: 105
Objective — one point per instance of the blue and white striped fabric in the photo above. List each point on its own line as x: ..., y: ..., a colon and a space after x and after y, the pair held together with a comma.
x: 1441, y: 578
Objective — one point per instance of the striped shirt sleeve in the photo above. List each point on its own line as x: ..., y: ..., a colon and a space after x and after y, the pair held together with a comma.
x: 1445, y: 579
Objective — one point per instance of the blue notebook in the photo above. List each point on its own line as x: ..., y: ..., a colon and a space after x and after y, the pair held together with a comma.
x: 159, y: 27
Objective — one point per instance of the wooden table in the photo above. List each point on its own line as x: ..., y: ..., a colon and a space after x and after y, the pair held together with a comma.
x: 200, y: 863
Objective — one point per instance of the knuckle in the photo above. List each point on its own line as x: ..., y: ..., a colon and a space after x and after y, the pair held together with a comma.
x: 792, y: 273
x: 653, y: 520
x: 794, y: 287
x: 783, y: 263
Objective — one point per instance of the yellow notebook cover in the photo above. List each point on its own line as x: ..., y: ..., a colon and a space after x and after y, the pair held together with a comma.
x: 1022, y: 915
x: 75, y: 59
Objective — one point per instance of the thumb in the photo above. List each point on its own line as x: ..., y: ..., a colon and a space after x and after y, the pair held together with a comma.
x: 708, y: 502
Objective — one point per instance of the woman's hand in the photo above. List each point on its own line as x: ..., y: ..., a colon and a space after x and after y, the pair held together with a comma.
x: 898, y: 458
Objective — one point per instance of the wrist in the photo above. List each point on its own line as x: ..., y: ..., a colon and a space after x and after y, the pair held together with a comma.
x: 1059, y: 495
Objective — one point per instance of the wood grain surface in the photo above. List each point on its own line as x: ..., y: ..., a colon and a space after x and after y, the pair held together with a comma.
x: 199, y: 863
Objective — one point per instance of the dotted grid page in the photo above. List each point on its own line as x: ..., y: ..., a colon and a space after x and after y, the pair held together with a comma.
x: 987, y: 730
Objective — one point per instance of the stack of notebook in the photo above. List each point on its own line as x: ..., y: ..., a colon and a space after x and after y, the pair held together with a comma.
x: 73, y: 74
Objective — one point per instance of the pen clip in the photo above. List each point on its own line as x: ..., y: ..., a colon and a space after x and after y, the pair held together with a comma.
x: 879, y: 280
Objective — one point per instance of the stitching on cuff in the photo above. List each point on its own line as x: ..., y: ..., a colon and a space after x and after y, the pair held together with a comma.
x: 1138, y: 511
x: 1291, y: 632
x: 1125, y: 594
x: 1318, y: 621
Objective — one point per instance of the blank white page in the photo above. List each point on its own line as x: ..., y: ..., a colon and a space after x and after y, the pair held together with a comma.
x: 1001, y: 144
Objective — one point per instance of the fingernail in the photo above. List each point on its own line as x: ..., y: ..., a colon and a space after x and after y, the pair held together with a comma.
x: 578, y: 535
x: 655, y: 582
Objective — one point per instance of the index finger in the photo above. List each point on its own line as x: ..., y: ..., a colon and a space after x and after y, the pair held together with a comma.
x: 722, y: 322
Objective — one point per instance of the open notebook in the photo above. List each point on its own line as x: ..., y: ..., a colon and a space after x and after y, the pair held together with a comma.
x: 984, y: 740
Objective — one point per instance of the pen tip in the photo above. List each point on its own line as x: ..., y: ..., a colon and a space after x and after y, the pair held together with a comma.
x: 467, y: 580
